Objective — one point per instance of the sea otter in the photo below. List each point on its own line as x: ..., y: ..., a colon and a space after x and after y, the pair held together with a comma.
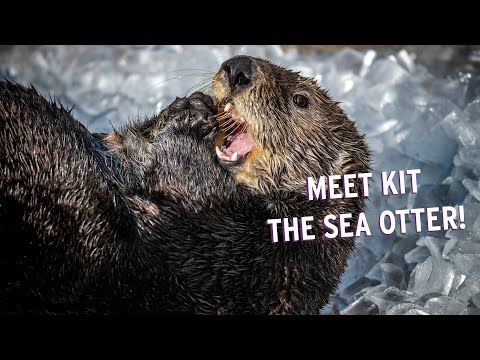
x: 168, y: 214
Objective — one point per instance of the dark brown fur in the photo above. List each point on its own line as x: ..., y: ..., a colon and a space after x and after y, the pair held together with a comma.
x: 146, y: 220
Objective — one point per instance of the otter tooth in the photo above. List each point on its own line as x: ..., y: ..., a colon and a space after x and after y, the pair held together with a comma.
x: 228, y: 106
x: 218, y: 151
x: 234, y: 156
x: 242, y: 119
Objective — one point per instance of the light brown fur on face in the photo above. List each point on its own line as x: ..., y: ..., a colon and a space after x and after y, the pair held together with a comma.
x: 291, y: 142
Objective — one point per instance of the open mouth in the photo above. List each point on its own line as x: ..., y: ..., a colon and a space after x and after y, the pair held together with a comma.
x: 237, y: 143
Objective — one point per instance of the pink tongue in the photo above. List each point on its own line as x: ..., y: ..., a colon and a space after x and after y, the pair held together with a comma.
x: 242, y: 144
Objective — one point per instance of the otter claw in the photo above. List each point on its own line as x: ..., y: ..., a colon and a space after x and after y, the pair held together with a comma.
x: 179, y: 104
x: 195, y: 123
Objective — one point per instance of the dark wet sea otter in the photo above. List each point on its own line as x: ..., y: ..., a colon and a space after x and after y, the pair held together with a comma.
x: 152, y: 218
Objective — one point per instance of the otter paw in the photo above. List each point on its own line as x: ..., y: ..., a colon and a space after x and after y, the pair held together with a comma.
x: 203, y: 122
x: 193, y: 116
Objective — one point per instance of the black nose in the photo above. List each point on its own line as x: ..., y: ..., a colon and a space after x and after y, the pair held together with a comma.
x: 239, y: 71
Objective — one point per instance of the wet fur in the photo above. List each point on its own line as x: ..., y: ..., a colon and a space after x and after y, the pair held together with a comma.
x: 144, y: 219
x: 293, y: 142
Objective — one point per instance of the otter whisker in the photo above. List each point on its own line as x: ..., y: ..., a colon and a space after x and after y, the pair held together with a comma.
x: 202, y: 70
x: 180, y: 77
x: 230, y: 126
x: 233, y: 131
x: 227, y: 123
x: 206, y: 88
x: 223, y: 115
x: 244, y: 129
x: 199, y: 86
x: 194, y: 87
x: 227, y: 120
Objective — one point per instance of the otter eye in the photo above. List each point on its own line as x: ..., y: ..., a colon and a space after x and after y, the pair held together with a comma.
x: 300, y: 100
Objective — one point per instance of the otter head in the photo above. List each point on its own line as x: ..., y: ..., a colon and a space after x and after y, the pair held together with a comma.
x: 278, y: 127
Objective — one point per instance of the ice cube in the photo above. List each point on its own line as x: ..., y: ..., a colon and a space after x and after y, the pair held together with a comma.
x: 386, y: 72
x: 404, y: 245
x: 429, y: 195
x: 472, y: 110
x: 359, y: 263
x: 402, y: 309
x: 460, y: 247
x: 445, y: 305
x: 417, y: 255
x: 349, y: 292
x: 378, y: 289
x: 393, y: 275
x: 376, y: 273
x: 420, y: 242
x: 431, y: 146
x: 390, y: 297
x: 476, y: 300
x: 368, y: 59
x: 416, y: 312
x: 406, y: 60
x: 454, y: 91
x: 461, y: 172
x: 449, y: 247
x: 431, y: 173
x: 361, y: 306
x: 466, y: 288
x: 473, y: 90
x: 468, y: 264
x: 472, y: 186
x: 472, y: 222
x: 377, y: 243
x: 456, y: 193
x: 432, y: 276
x: 348, y: 60
x: 435, y: 246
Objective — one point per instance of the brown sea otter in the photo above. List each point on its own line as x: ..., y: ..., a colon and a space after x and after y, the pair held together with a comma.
x: 152, y: 218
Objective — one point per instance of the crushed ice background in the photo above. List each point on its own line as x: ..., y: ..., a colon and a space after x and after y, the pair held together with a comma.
x: 412, y: 119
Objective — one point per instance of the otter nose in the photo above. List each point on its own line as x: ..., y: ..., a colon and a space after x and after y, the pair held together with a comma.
x: 239, y: 71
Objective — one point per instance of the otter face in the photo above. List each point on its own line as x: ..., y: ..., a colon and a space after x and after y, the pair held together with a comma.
x: 279, y: 127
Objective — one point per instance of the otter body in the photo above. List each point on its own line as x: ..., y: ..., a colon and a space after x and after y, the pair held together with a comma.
x: 152, y: 219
